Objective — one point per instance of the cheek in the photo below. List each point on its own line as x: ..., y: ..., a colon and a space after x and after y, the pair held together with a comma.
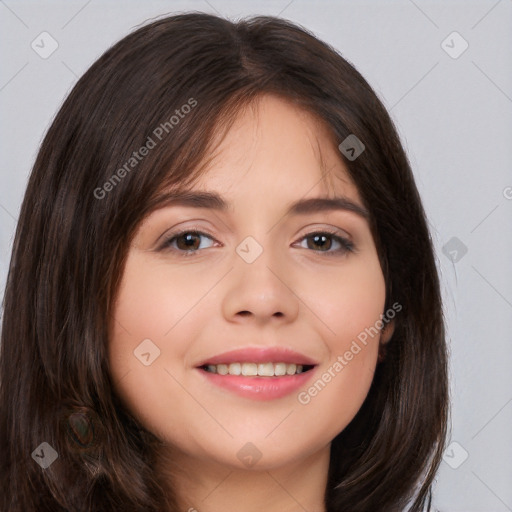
x: 152, y: 299
x: 151, y: 307
x: 154, y: 302
x: 347, y: 300
x: 349, y: 311
x: 334, y: 397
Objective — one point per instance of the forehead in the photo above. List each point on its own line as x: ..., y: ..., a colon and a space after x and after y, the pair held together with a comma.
x: 275, y: 148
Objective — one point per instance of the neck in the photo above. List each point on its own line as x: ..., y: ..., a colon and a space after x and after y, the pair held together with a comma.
x: 206, y: 486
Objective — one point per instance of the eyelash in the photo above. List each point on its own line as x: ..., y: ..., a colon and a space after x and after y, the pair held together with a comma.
x: 346, y: 245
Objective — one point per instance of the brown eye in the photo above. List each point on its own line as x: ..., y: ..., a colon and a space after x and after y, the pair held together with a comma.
x: 323, y: 242
x: 186, y: 242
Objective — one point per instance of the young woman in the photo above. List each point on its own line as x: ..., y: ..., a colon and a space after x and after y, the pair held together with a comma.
x: 222, y: 293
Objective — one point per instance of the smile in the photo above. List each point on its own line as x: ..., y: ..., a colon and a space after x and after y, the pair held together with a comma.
x: 258, y: 373
x: 257, y: 369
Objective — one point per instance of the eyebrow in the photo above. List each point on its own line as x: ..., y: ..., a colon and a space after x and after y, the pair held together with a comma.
x: 213, y: 201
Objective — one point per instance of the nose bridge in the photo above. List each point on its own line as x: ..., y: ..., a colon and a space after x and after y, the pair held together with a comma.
x: 250, y: 249
x: 259, y: 263
x: 260, y: 231
x: 258, y: 282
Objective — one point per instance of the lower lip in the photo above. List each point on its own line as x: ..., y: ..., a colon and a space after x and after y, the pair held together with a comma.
x: 259, y: 388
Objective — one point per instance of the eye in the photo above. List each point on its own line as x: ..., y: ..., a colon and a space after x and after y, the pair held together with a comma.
x: 185, y: 242
x: 188, y: 242
x: 325, y: 239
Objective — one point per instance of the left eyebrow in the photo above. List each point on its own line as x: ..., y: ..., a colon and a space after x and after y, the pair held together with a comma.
x: 320, y: 204
x: 213, y: 201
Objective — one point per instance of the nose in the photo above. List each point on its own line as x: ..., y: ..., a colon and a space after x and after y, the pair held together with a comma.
x: 260, y: 292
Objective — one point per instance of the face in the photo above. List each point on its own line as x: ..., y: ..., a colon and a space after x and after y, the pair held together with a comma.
x: 255, y: 287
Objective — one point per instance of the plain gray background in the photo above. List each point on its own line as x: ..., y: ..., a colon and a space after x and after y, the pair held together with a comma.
x: 453, y: 108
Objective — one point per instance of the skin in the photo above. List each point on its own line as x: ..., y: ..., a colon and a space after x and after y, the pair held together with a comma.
x: 196, y: 307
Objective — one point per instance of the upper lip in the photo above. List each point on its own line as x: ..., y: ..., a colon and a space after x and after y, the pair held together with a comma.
x: 259, y: 355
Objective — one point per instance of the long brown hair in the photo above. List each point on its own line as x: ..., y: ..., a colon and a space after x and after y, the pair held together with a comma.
x: 80, y: 211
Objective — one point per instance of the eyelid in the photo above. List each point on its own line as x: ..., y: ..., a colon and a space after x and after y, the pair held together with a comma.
x: 326, y: 228
x: 174, y: 231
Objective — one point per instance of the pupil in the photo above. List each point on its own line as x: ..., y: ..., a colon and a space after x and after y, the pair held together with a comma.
x: 189, y: 240
x: 316, y: 237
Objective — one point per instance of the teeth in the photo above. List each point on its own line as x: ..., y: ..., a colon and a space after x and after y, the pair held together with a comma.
x: 280, y: 369
x: 222, y: 369
x: 249, y: 369
x: 290, y: 369
x: 253, y: 369
x: 235, y: 369
x: 266, y: 370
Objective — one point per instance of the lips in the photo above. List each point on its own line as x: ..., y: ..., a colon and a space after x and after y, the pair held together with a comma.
x: 260, y: 355
x: 259, y: 387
